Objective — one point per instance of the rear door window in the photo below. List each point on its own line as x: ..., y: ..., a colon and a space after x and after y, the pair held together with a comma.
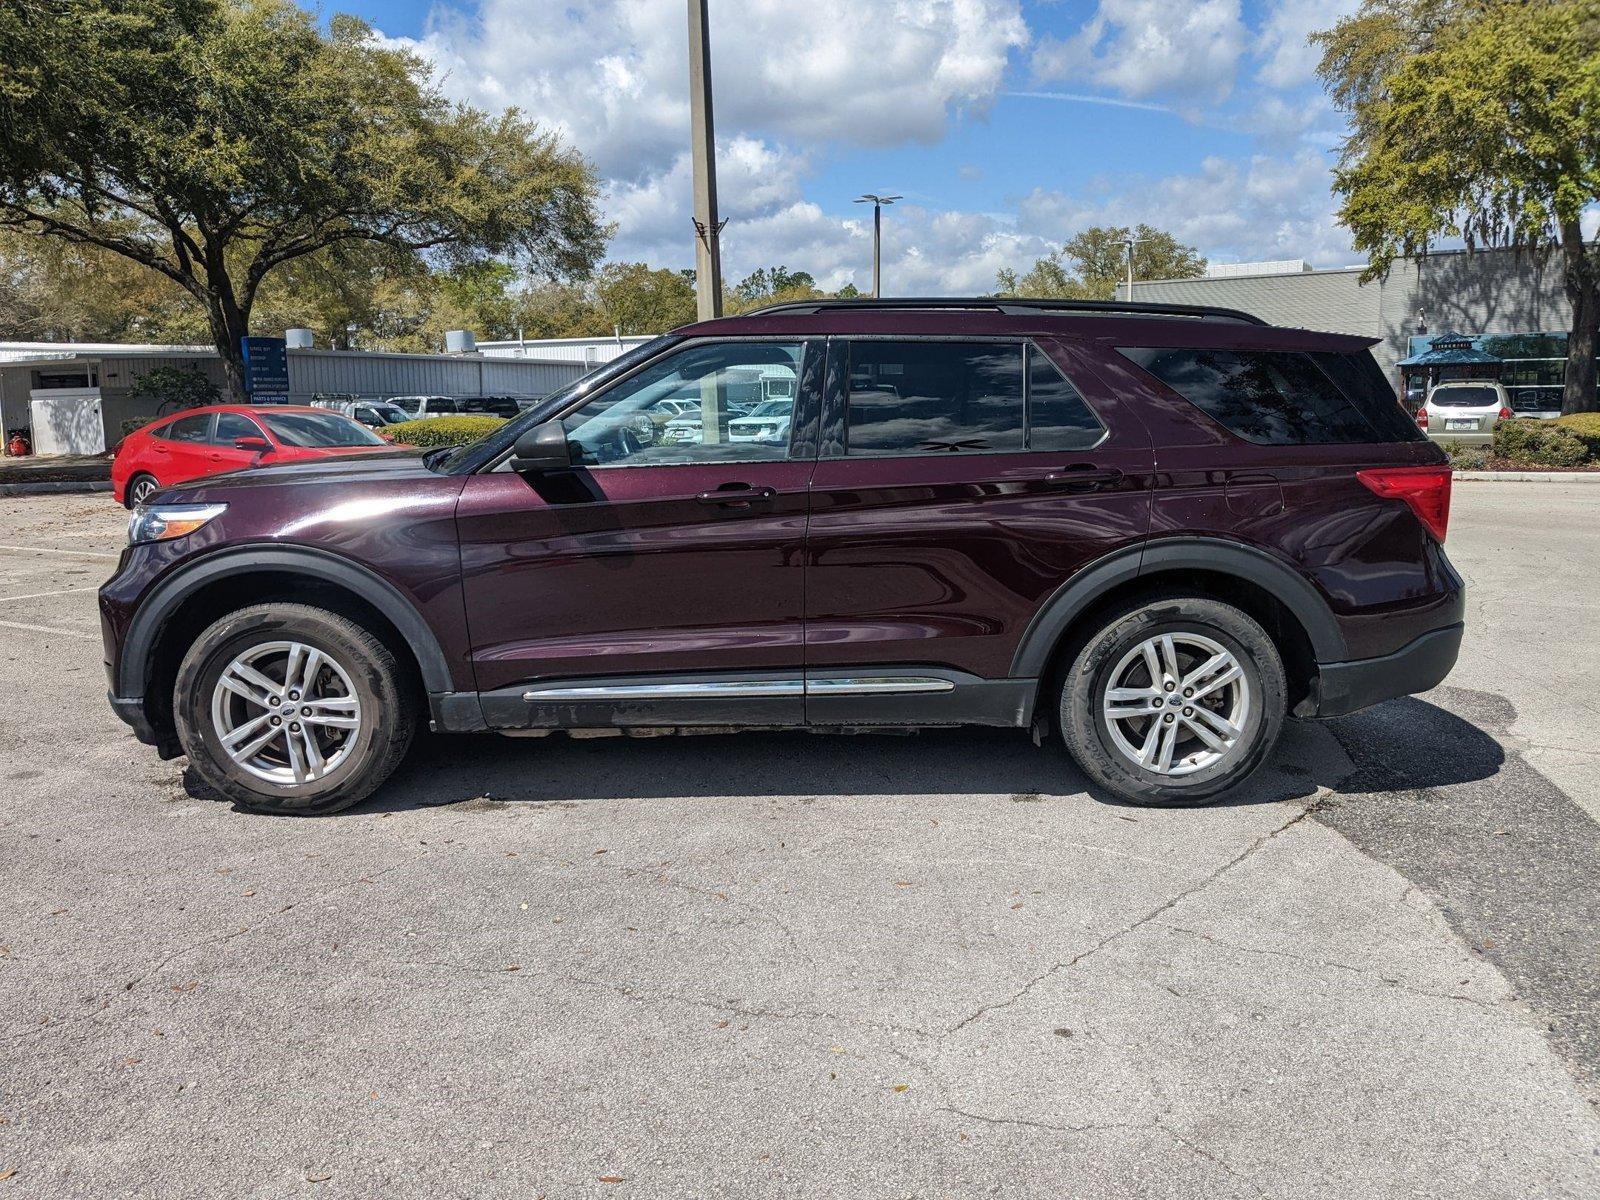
x: 194, y: 429
x: 1058, y: 416
x: 934, y: 398
x: 1270, y: 397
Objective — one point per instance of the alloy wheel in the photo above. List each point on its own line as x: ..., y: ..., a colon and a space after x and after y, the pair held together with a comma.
x: 1176, y: 703
x: 286, y: 712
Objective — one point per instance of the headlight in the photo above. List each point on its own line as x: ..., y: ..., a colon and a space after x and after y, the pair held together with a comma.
x: 162, y: 522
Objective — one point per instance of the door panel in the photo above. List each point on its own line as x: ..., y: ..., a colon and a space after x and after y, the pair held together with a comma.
x: 943, y: 559
x: 619, y: 570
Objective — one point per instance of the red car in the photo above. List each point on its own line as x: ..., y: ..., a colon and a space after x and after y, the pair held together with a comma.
x: 229, y: 437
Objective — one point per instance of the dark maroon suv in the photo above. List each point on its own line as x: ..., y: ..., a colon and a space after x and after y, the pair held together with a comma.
x: 1157, y: 530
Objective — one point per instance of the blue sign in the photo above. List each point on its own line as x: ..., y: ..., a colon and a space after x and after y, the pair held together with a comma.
x: 266, y: 367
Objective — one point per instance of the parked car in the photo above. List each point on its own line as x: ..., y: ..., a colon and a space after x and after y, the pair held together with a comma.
x: 374, y: 414
x: 1465, y: 412
x: 226, y: 437
x: 1154, y: 531
x: 418, y: 408
x: 491, y: 406
x: 767, y: 422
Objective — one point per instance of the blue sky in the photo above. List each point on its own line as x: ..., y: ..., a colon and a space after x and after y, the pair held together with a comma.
x: 1007, y: 124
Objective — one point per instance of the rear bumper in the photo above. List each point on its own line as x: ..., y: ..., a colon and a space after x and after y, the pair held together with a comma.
x: 1348, y: 687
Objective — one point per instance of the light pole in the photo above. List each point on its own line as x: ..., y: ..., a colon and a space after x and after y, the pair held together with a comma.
x: 1130, y: 242
x: 877, y: 203
x: 708, y: 230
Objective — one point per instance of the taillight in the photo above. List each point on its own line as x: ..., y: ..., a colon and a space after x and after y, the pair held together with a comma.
x: 1505, y: 414
x: 1425, y: 489
x: 1422, y: 418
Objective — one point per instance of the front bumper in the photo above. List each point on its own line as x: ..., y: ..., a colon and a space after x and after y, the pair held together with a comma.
x: 130, y: 711
x: 1348, y: 687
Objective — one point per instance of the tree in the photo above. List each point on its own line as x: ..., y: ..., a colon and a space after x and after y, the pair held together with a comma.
x: 1479, y: 120
x: 771, y: 285
x: 1093, y: 262
x: 172, y: 386
x: 216, y: 141
x: 632, y: 298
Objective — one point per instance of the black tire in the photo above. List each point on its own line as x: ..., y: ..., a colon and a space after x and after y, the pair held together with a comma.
x: 1086, y: 729
x: 387, y: 708
x: 139, y: 488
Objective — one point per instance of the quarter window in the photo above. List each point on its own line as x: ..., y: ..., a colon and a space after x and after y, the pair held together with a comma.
x: 1270, y: 397
x: 1058, y: 416
x: 724, y: 402
x: 934, y: 398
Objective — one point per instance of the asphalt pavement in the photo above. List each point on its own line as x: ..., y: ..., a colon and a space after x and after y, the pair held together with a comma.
x: 790, y: 965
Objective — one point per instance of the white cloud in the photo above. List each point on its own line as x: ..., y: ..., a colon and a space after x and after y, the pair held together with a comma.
x: 1142, y: 48
x: 1268, y: 207
x: 612, y: 75
x: 1289, y: 60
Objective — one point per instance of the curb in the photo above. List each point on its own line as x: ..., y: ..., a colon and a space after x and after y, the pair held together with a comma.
x: 59, y: 486
x: 1528, y: 476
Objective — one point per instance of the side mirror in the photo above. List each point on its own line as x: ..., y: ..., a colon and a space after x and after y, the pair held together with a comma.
x: 255, y: 445
x: 542, y: 448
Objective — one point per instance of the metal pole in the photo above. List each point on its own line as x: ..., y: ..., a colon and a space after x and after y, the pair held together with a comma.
x: 707, y: 251
x: 877, y: 249
x: 1130, y: 270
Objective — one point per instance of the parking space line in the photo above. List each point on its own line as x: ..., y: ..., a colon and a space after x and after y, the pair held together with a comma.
x: 71, y: 633
x: 53, y: 550
x: 41, y: 595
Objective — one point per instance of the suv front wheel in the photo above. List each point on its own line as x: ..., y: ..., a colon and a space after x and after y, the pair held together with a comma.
x: 289, y: 708
x: 1174, y: 701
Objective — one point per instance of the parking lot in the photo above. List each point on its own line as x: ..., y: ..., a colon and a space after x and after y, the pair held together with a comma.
x: 787, y: 965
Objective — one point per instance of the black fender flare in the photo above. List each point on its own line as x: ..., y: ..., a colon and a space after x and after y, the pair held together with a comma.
x: 1217, y: 555
x: 170, y: 593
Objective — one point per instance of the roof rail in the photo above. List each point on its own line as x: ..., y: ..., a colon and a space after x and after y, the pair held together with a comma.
x: 1019, y: 305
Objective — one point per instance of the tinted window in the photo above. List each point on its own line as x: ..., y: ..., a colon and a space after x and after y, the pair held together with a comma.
x: 1363, y: 383
x: 494, y: 407
x: 232, y: 425
x: 1058, y: 417
x: 441, y: 406
x: 934, y: 398
x: 1270, y: 397
x: 1464, y: 397
x: 629, y: 422
x: 189, y: 429
x: 319, y: 429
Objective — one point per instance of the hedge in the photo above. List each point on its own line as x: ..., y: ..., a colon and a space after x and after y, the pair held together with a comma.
x: 443, y: 431
x: 1540, y: 444
x: 1586, y: 427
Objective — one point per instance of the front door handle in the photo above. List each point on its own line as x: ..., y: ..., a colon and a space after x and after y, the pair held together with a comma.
x: 1083, y: 475
x: 738, y: 495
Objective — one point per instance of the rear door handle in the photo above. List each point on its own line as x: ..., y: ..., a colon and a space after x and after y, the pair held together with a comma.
x: 1083, y: 475
x: 738, y: 495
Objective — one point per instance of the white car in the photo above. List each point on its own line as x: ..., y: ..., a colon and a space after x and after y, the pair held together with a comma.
x: 767, y: 422
x: 1465, y: 411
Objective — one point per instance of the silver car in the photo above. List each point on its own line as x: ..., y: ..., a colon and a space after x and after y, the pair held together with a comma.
x: 1465, y: 412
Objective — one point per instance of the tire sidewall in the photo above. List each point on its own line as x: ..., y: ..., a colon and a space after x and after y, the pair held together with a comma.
x: 210, y: 656
x: 133, y: 486
x: 1083, y: 720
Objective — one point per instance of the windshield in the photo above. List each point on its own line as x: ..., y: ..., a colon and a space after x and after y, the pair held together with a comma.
x: 1465, y: 397
x: 392, y: 413
x: 772, y: 408
x: 470, y: 458
x: 318, y: 429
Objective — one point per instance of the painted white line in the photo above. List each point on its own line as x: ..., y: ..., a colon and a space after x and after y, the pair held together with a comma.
x: 41, y: 595
x: 53, y: 550
x: 71, y: 633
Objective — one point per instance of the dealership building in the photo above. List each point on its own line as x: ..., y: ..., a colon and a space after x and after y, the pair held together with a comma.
x: 77, y: 397
x: 1496, y: 313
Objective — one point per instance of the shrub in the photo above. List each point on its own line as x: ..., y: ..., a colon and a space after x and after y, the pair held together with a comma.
x: 1467, y: 458
x: 1539, y: 444
x: 443, y: 431
x: 174, y: 387
x: 1586, y: 428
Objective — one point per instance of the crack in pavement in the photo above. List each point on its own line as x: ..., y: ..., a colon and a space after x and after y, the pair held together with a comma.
x: 1172, y: 902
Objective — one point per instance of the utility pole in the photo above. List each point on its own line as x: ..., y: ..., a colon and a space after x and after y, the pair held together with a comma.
x: 707, y: 229
x: 1129, y: 242
x: 877, y: 203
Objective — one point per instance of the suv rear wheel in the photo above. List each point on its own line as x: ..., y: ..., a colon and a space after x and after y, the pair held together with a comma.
x: 1174, y: 701
x: 292, y: 709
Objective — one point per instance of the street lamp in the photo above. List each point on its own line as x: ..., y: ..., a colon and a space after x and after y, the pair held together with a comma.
x: 877, y: 203
x: 1130, y: 242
